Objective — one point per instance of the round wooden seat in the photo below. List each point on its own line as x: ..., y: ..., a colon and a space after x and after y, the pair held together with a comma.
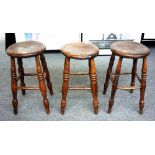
x: 129, y: 49
x: 25, y: 49
x: 80, y: 50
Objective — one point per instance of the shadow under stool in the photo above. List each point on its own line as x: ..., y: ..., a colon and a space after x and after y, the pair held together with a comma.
x: 129, y: 50
x: 80, y: 51
x: 27, y: 49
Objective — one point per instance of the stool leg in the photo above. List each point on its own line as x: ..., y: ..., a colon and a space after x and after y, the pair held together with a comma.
x: 21, y: 72
x: 93, y: 81
x: 143, y: 85
x: 111, y: 63
x: 47, y: 75
x: 133, y: 76
x: 65, y: 84
x: 115, y: 83
x: 42, y: 85
x: 14, y: 85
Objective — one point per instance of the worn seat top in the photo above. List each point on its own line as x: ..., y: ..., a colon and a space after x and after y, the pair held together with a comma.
x: 129, y: 49
x: 25, y: 49
x: 80, y: 50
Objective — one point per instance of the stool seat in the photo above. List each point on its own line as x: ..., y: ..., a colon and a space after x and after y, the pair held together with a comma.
x: 25, y: 49
x: 129, y: 49
x: 80, y: 50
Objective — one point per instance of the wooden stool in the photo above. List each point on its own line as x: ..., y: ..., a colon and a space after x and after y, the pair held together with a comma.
x: 81, y: 51
x: 130, y: 50
x: 28, y: 49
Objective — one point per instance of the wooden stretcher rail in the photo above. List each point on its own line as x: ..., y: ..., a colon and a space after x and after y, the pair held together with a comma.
x: 30, y: 74
x: 29, y: 88
x: 128, y: 87
x: 125, y: 73
x: 79, y: 88
x: 80, y: 73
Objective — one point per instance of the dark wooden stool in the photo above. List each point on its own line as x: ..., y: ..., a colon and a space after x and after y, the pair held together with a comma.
x: 28, y: 49
x: 130, y: 50
x: 81, y: 51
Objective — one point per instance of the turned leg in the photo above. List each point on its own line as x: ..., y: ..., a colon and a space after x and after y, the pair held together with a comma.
x: 46, y: 73
x: 21, y: 73
x: 93, y: 81
x: 108, y: 73
x: 115, y: 83
x: 42, y: 85
x: 65, y: 84
x: 143, y: 85
x: 14, y: 85
x: 134, y: 72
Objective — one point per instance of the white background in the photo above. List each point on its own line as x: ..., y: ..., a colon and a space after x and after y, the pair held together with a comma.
x: 149, y: 35
x: 97, y: 138
x: 53, y: 41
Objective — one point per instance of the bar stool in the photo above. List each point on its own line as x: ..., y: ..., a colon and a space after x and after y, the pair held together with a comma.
x: 80, y: 51
x: 27, y: 49
x: 129, y: 50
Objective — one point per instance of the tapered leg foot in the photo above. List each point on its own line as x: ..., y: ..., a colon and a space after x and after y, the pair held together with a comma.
x: 110, y: 106
x: 63, y: 105
x: 95, y: 107
x: 46, y: 104
x: 15, y: 105
x: 141, y: 105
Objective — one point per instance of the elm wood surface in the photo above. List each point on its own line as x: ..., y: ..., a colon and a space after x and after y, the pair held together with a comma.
x: 79, y: 50
x: 131, y: 50
x: 26, y: 49
x: 41, y: 67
